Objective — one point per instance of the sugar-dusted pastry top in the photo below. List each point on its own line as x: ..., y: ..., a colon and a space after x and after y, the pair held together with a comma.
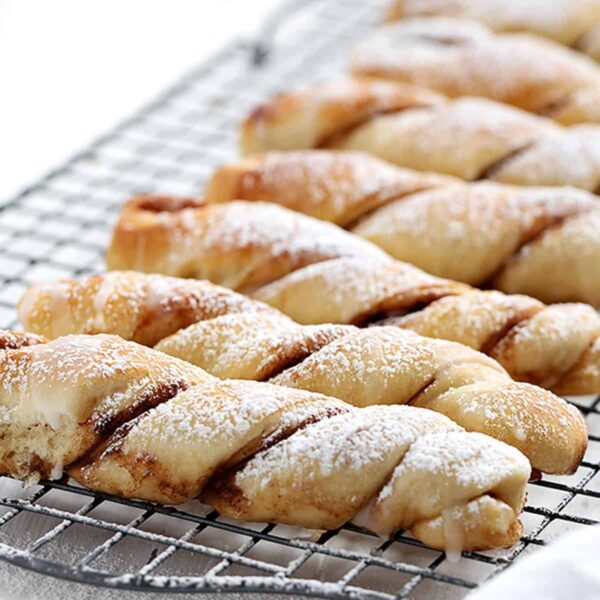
x: 544, y: 242
x: 555, y: 346
x: 13, y: 340
x: 230, y: 244
x: 470, y: 138
x: 131, y: 421
x: 75, y: 389
x: 137, y: 307
x: 459, y: 57
x: 574, y: 23
x: 376, y: 365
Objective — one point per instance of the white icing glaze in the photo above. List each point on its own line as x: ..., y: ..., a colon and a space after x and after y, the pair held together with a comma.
x: 303, y: 533
x: 48, y: 399
x: 453, y: 533
x: 57, y: 469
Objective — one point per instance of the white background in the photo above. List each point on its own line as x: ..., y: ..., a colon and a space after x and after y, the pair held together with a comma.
x: 70, y: 69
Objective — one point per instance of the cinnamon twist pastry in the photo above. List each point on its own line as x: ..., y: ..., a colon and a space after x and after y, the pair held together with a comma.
x: 233, y: 337
x: 573, y: 23
x: 464, y: 58
x: 13, y: 340
x: 233, y: 244
x: 471, y: 138
x: 131, y: 421
x: 544, y: 242
x: 301, y: 266
x: 59, y: 399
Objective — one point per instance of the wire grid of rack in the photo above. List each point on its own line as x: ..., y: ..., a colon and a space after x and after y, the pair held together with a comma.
x: 60, y: 226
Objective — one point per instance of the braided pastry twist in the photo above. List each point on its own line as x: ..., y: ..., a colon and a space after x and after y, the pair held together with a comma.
x: 131, y: 421
x: 471, y: 138
x: 234, y: 337
x: 544, y: 242
x: 574, y: 23
x: 317, y: 273
x: 13, y: 340
x: 463, y: 58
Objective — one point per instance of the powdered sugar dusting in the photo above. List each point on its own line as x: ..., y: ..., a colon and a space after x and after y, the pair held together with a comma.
x: 125, y: 302
x: 485, y: 223
x: 333, y: 186
x: 257, y: 231
x: 348, y: 443
x: 225, y: 413
x: 468, y: 137
x: 357, y: 286
x: 563, y: 20
x: 248, y: 345
x: 62, y: 381
x: 470, y: 460
x: 512, y: 406
x: 241, y: 225
x: 460, y: 57
x: 369, y: 366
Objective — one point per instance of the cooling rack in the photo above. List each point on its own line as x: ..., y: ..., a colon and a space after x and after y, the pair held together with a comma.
x: 59, y: 227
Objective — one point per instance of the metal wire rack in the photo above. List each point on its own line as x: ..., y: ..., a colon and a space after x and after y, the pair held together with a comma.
x: 59, y: 227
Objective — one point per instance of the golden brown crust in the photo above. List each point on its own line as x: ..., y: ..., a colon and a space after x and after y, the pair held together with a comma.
x: 138, y: 307
x: 377, y: 365
x: 530, y: 348
x: 254, y: 346
x: 265, y: 486
x: 343, y: 279
x: 572, y: 23
x: 464, y: 58
x: 340, y: 187
x: 582, y: 375
x: 544, y: 242
x: 229, y: 244
x: 326, y: 111
x: 59, y: 398
x: 470, y: 138
x: 13, y: 340
x: 319, y: 462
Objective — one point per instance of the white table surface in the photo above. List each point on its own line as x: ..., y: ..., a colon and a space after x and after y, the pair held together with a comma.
x: 69, y: 70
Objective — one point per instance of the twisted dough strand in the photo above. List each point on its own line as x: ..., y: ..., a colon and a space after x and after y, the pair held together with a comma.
x: 13, y: 340
x: 134, y: 422
x: 321, y: 274
x: 544, y: 242
x: 470, y: 138
x: 464, y: 58
x: 380, y: 365
x: 574, y: 23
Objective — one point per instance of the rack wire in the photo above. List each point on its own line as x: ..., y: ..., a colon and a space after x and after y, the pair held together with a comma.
x: 60, y: 226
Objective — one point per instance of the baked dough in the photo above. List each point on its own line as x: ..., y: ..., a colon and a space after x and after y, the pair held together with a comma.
x: 317, y: 273
x: 131, y: 421
x: 59, y: 399
x: 231, y: 244
x: 376, y: 365
x: 573, y: 23
x: 463, y: 58
x: 137, y: 307
x: 544, y: 242
x: 470, y: 138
